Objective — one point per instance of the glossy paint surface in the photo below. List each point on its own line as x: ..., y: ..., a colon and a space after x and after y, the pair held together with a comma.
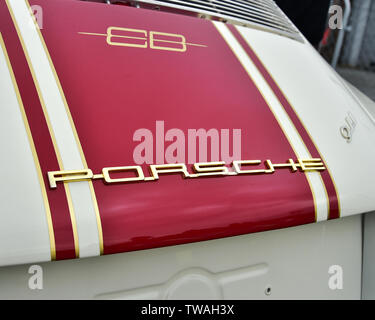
x: 113, y: 86
x: 113, y: 90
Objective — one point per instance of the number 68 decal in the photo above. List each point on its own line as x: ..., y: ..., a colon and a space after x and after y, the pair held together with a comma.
x: 136, y: 38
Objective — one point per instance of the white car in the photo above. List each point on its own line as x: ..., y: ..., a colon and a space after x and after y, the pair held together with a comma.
x: 179, y: 150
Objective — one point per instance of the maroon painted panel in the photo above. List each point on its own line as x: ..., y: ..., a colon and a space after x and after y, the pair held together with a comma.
x: 113, y: 91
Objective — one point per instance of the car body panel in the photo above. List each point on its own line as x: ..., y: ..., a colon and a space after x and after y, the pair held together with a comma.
x: 97, y: 81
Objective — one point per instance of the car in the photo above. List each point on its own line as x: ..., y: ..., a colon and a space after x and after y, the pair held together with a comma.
x: 178, y: 150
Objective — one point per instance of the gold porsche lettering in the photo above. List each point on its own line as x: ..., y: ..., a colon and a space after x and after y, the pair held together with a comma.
x: 107, y: 171
x: 70, y: 175
x: 210, y: 169
x: 202, y: 169
x: 157, y: 169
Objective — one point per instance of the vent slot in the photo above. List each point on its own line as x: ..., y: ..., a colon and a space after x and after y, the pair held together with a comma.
x: 260, y: 14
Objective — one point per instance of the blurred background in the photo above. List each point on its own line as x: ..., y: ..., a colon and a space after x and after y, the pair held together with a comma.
x: 349, y: 49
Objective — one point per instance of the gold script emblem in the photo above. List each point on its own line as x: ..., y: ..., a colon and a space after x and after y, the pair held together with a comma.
x: 137, y: 38
x: 202, y: 169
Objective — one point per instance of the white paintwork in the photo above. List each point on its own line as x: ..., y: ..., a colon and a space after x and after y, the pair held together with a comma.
x: 23, y: 224
x: 365, y: 102
x: 322, y: 102
x: 293, y: 261
x: 87, y: 228
x: 238, y: 267
x: 289, y: 129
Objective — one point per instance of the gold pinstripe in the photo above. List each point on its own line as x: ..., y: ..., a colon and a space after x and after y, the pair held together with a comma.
x: 265, y: 99
x: 57, y: 152
x: 33, y: 150
x: 333, y: 181
x: 82, y: 155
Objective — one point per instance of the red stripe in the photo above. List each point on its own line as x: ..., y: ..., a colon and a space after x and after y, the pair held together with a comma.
x: 46, y: 155
x: 113, y: 91
x: 334, y: 211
